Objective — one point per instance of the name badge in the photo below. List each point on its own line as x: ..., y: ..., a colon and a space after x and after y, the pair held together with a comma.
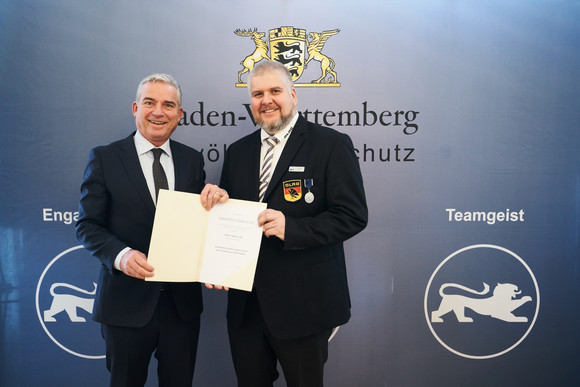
x: 295, y: 169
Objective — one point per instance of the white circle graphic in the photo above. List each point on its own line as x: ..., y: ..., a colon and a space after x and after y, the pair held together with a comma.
x: 499, y: 353
x: 39, y: 314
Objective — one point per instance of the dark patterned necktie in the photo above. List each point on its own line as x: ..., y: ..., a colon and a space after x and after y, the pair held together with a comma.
x: 159, y: 177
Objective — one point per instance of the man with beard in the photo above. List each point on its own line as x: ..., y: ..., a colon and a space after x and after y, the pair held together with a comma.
x: 310, y: 177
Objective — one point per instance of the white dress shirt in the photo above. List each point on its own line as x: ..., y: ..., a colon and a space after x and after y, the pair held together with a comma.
x: 282, y: 136
x: 146, y: 160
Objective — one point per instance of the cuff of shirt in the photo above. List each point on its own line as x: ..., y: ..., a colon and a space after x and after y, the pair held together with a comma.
x: 117, y: 263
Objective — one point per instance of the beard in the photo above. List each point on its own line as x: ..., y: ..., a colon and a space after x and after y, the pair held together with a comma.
x: 274, y: 128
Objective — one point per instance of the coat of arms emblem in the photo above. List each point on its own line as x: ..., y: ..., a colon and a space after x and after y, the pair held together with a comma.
x: 292, y: 190
x: 294, y: 48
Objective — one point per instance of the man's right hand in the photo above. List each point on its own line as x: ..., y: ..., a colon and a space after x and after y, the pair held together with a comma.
x: 134, y: 263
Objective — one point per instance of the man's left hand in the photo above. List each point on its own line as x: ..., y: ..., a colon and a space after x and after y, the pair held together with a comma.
x: 212, y: 194
x: 273, y: 223
x: 218, y: 287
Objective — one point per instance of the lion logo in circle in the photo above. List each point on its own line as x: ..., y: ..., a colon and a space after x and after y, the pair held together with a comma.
x: 69, y: 303
x: 500, y: 305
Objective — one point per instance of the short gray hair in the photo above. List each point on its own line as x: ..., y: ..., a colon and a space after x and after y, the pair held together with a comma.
x: 265, y: 66
x: 162, y: 78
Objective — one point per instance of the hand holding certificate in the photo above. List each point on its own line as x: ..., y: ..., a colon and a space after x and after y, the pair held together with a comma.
x: 190, y: 244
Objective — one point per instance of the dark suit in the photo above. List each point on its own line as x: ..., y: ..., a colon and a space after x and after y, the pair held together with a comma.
x: 116, y: 211
x: 301, y: 283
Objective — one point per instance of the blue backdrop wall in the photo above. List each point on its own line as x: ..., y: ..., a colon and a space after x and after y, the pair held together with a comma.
x: 465, y: 118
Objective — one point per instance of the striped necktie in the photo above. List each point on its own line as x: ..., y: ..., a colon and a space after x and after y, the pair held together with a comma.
x: 266, y: 171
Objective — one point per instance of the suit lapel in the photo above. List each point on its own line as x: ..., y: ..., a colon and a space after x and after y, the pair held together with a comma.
x: 130, y: 161
x: 294, y: 144
x: 253, y: 164
x: 178, y: 161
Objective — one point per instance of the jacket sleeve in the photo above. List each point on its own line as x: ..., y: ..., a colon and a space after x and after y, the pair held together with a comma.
x: 92, y: 227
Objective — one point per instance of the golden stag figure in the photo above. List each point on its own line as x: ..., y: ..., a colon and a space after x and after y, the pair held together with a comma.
x: 261, y: 51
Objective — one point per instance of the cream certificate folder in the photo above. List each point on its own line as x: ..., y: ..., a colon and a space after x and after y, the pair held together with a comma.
x: 190, y: 244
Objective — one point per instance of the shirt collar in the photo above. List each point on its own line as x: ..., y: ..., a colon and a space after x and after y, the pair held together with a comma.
x: 143, y: 145
x: 281, y: 135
